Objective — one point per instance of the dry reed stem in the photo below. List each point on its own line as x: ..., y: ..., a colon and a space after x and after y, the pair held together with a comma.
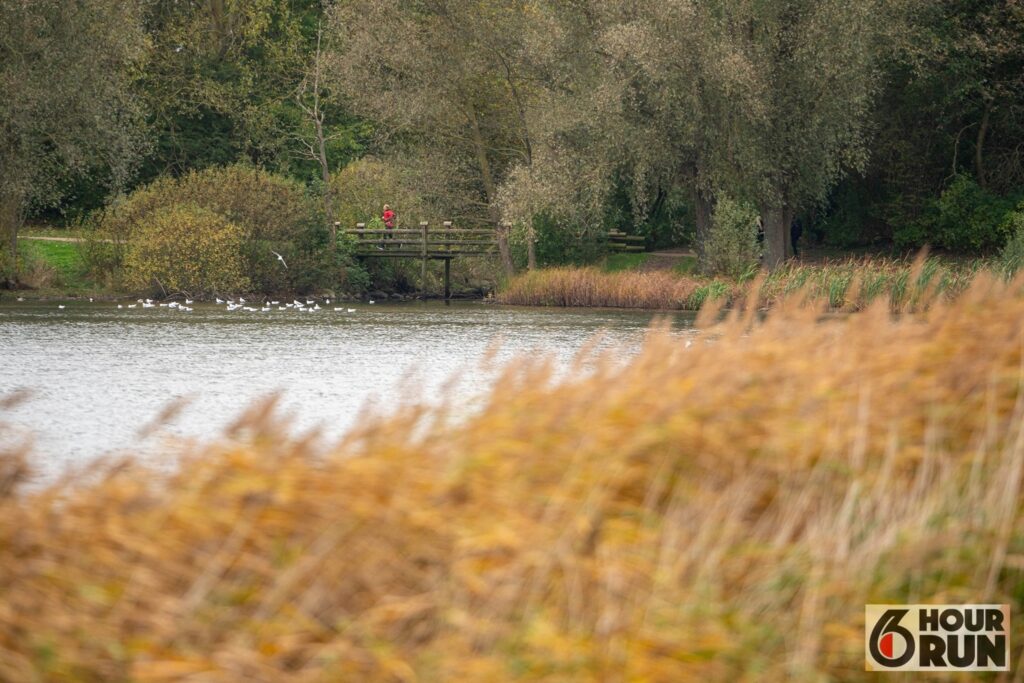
x: 716, y: 512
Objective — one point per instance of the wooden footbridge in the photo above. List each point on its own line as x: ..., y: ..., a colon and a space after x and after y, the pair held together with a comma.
x: 425, y: 244
x: 446, y: 243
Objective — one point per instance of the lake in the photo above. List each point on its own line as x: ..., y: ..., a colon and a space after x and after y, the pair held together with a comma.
x: 98, y: 374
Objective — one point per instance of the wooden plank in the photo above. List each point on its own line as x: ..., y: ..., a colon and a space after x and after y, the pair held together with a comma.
x: 456, y: 243
x: 407, y: 231
x: 419, y: 254
x: 430, y: 243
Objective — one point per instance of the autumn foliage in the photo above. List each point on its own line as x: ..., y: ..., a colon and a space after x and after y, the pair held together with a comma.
x: 717, y: 506
x: 270, y: 212
x: 186, y: 249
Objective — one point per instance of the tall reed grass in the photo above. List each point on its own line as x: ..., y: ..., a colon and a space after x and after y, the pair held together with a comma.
x: 849, y: 284
x: 719, y: 511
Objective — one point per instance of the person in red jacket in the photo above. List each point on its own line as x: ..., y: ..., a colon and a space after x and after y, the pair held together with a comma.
x: 388, y: 217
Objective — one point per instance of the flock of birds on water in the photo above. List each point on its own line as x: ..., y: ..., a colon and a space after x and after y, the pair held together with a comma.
x: 305, y: 305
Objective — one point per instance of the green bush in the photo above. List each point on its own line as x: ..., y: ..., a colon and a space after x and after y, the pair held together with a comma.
x: 186, y: 249
x: 559, y: 243
x: 970, y: 218
x: 1012, y: 257
x: 732, y: 245
x: 965, y: 218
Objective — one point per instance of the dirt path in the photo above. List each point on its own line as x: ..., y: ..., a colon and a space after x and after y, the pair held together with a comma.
x: 667, y: 259
x: 50, y: 239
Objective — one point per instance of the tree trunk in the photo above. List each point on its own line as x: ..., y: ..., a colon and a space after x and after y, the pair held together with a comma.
x: 531, y: 249
x: 704, y: 208
x: 490, y: 190
x: 10, y: 222
x: 979, y: 145
x: 777, y: 243
x: 325, y: 173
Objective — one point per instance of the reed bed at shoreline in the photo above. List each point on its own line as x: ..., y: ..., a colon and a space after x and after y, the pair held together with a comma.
x: 718, y: 511
x: 850, y: 284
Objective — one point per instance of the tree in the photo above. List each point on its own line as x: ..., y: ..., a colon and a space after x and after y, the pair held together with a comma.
x: 820, y: 63
x: 445, y: 81
x: 310, y: 98
x: 767, y: 101
x: 220, y: 83
x: 65, y: 70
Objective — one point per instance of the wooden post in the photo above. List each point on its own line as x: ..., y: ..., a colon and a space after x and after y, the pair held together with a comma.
x: 423, y: 266
x: 448, y: 279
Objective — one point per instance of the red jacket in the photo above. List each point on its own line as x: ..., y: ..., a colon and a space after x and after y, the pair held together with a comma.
x: 389, y: 219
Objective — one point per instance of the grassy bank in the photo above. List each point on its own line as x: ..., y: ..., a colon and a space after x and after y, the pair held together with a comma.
x: 53, y: 266
x: 718, y: 511
x: 843, y: 284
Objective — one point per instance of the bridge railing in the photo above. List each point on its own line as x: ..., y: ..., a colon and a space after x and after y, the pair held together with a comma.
x: 620, y: 241
x: 423, y: 242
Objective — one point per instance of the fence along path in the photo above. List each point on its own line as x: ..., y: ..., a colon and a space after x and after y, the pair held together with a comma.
x: 422, y: 243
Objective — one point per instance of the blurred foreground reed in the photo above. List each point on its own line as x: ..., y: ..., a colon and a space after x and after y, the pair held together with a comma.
x: 717, y: 512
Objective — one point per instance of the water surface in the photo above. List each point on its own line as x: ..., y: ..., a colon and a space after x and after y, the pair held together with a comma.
x: 97, y: 374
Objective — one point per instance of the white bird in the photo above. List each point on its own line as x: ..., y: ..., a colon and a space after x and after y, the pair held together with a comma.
x: 145, y: 305
x: 309, y: 302
x: 149, y: 301
x: 189, y: 302
x: 279, y: 258
x: 241, y: 300
x: 60, y: 306
x: 132, y: 305
x: 120, y: 306
x: 219, y: 300
x: 372, y: 301
x: 282, y: 308
x: 138, y: 301
x: 351, y: 310
x: 173, y: 304
x: 274, y: 303
x: 21, y: 298
x: 317, y: 307
x: 264, y: 309
x: 327, y: 302
x: 90, y: 299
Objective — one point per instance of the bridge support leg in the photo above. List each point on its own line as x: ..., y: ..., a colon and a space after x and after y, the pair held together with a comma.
x: 447, y: 279
x: 423, y: 266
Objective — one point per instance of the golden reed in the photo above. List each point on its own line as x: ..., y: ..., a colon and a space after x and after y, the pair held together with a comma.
x: 714, y: 511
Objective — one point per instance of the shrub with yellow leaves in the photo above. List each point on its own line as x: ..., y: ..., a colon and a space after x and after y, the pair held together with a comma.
x: 186, y: 249
x: 719, y: 511
x: 274, y: 214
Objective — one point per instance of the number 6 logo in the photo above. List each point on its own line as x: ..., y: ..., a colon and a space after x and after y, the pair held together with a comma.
x: 886, y: 648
